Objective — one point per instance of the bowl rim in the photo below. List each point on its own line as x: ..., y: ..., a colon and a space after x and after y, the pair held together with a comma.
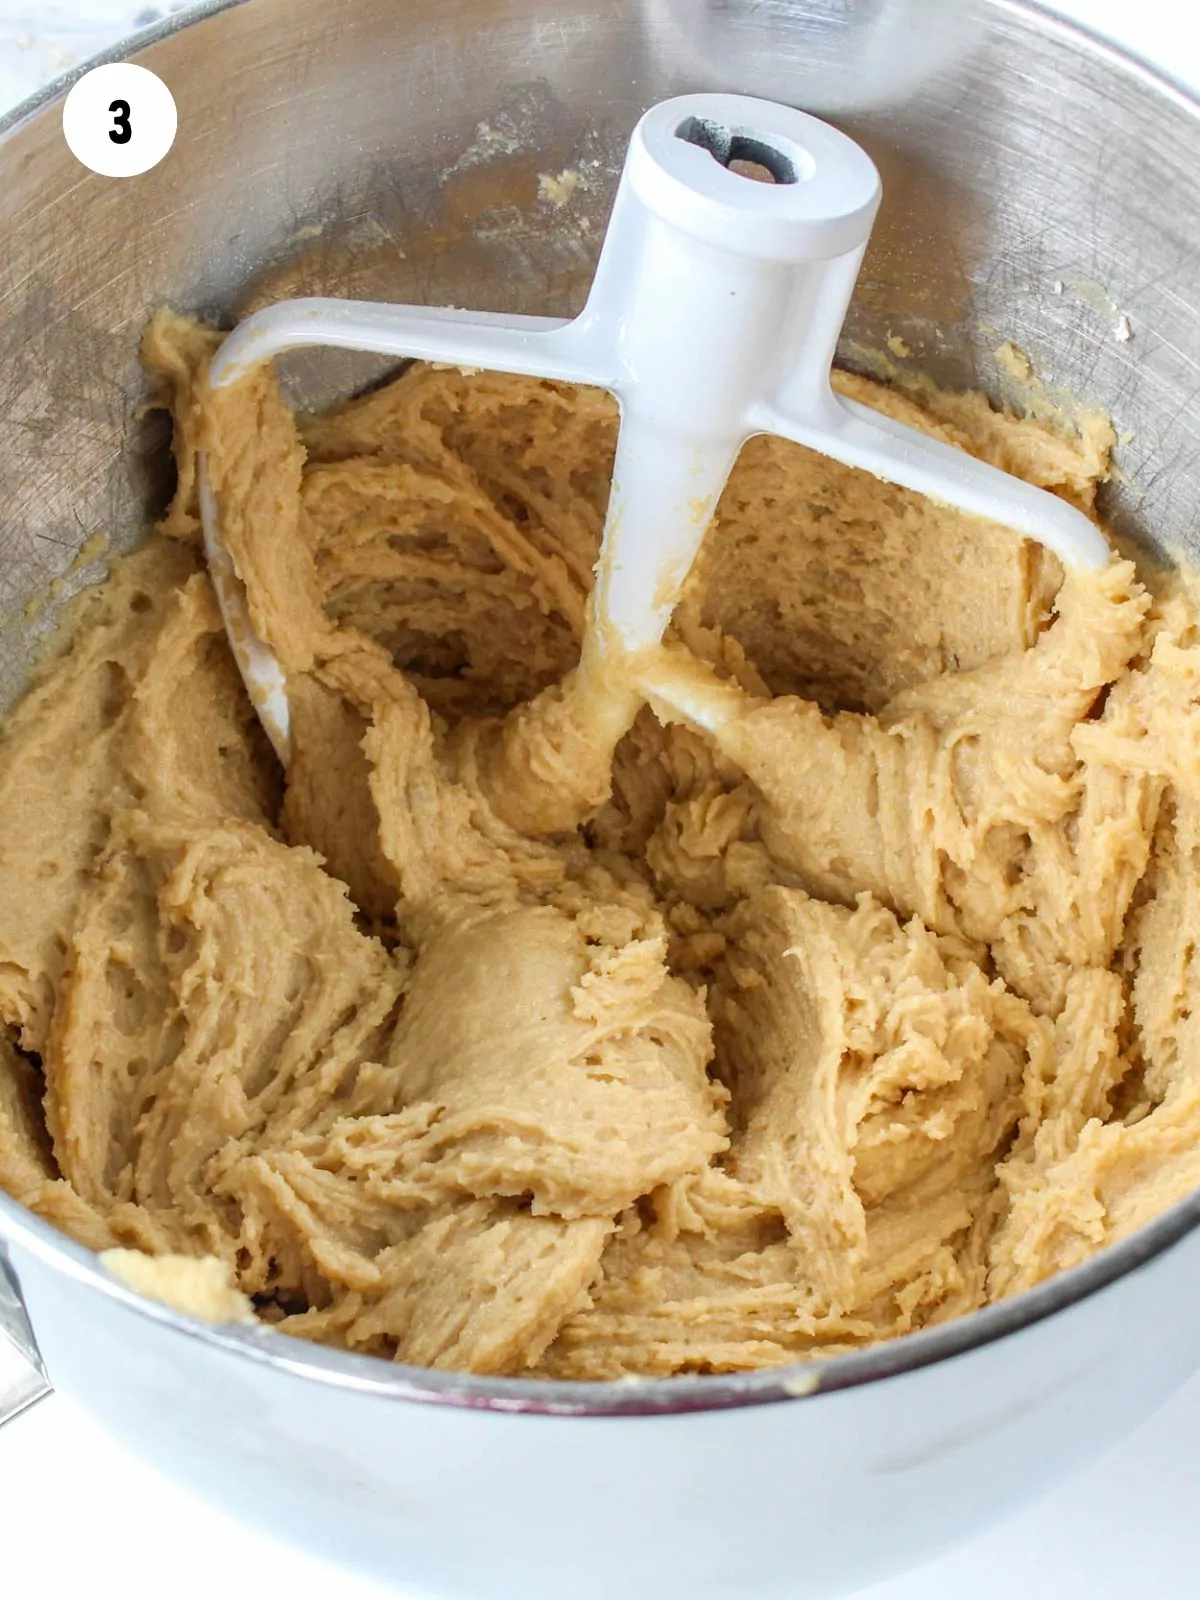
x: 795, y: 1381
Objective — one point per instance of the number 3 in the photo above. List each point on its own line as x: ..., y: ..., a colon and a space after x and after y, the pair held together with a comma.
x: 122, y: 131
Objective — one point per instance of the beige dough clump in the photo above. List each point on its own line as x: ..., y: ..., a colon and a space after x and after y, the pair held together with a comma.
x: 487, y: 1039
x: 199, y: 1285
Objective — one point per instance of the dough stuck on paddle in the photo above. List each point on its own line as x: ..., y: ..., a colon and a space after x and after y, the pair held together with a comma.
x: 471, y: 1044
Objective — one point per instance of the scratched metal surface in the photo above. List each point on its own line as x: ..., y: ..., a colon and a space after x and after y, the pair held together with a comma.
x: 1036, y: 190
x: 39, y: 39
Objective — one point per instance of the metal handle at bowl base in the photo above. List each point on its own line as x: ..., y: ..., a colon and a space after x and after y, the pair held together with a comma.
x: 23, y: 1379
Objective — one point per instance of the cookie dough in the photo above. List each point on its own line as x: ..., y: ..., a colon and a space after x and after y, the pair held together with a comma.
x: 475, y: 1042
x: 199, y: 1285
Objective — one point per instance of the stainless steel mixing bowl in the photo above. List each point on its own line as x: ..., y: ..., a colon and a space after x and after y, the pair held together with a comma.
x: 1045, y: 189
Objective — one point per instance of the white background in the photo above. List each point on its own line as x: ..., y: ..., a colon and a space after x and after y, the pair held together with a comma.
x: 79, y: 1515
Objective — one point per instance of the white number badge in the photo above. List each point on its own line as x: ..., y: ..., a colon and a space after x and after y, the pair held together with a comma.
x: 120, y: 120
